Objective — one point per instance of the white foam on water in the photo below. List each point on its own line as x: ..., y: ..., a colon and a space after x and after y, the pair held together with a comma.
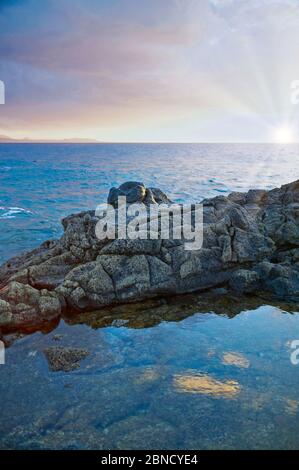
x: 12, y: 212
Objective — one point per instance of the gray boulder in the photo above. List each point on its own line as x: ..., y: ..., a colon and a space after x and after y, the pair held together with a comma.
x: 136, y: 192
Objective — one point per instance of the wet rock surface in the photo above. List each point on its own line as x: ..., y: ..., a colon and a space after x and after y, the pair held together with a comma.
x: 250, y: 246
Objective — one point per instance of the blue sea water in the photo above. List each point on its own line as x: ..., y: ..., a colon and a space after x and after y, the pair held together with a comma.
x: 186, y: 373
x: 41, y: 183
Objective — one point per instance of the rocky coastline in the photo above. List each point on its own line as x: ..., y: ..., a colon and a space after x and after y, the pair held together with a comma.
x: 250, y: 247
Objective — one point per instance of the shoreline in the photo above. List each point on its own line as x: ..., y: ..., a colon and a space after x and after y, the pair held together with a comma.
x: 246, y: 249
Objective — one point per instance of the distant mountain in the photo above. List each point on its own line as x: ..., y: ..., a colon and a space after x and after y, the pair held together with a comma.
x: 5, y: 139
x: 81, y: 141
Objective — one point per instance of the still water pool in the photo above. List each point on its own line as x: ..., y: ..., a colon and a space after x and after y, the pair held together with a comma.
x: 188, y: 373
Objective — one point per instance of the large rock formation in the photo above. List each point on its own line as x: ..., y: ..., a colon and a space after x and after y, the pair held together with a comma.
x: 250, y: 245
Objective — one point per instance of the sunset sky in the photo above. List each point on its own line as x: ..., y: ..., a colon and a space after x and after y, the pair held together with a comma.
x: 152, y: 70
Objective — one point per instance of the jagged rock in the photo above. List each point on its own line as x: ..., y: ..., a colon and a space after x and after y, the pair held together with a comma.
x: 21, y: 304
x: 5, y: 313
x: 250, y: 245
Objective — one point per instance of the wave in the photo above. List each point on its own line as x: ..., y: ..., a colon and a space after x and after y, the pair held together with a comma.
x: 12, y: 212
x: 6, y: 168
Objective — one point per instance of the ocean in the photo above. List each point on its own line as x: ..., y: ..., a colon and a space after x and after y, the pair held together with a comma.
x: 201, y: 371
x: 42, y: 183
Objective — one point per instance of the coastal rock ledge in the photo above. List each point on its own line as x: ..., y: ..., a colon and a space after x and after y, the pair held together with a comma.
x: 250, y: 246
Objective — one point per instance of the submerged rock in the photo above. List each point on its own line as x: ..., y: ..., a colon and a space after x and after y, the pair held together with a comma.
x: 250, y: 246
x: 64, y: 358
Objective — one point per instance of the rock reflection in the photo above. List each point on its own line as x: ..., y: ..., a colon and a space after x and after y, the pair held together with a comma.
x: 151, y: 312
x: 206, y: 385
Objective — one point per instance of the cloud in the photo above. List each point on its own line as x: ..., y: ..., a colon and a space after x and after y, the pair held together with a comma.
x: 88, y: 65
x: 93, y: 60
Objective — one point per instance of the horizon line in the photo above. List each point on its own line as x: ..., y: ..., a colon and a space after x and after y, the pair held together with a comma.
x: 98, y: 142
x: 142, y: 143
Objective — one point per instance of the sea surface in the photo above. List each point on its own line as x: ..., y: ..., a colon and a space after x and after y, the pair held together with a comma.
x: 41, y: 183
x: 194, y: 372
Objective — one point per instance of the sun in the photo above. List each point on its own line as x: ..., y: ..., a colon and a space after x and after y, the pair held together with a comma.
x: 283, y: 135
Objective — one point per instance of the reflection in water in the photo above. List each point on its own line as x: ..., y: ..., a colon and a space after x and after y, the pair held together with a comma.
x: 235, y: 359
x: 149, y: 313
x: 206, y: 385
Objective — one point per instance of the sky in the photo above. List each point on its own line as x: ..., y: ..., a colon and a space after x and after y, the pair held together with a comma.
x: 150, y: 70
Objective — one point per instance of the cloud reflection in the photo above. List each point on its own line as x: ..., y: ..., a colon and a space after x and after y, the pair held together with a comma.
x: 235, y: 359
x: 206, y: 385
